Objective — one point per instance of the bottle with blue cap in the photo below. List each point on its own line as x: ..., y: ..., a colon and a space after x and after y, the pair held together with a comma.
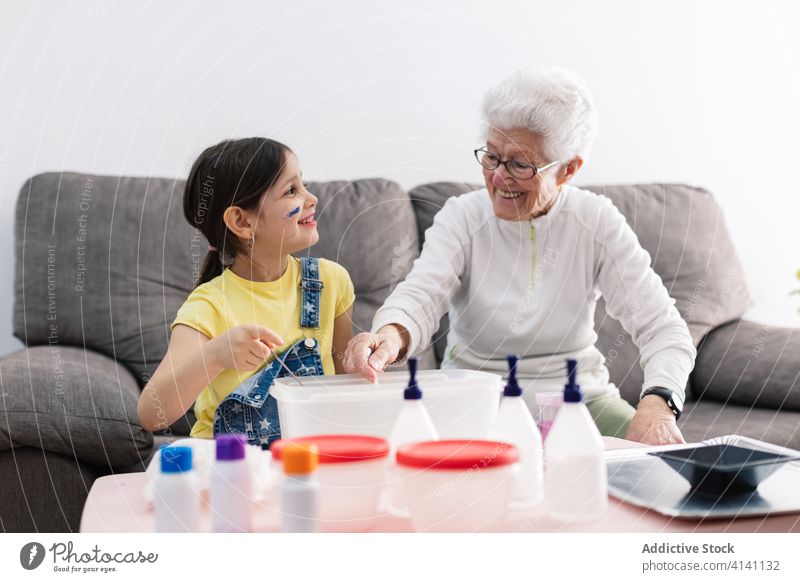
x: 515, y: 424
x: 576, y: 482
x: 412, y: 425
x: 231, y: 490
x: 176, y: 496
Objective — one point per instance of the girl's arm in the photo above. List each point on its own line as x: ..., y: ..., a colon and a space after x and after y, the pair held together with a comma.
x: 342, y: 334
x: 192, y: 362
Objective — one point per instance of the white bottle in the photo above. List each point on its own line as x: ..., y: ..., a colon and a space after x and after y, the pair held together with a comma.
x: 413, y: 425
x: 300, y: 490
x: 231, y: 491
x: 576, y: 482
x: 175, y: 493
x: 516, y: 425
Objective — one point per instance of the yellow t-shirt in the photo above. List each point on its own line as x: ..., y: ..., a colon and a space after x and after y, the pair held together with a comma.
x: 229, y: 300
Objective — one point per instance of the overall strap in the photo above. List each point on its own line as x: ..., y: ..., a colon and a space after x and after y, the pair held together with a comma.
x: 312, y: 290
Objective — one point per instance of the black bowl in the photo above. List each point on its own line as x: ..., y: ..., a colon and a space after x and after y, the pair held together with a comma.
x: 723, y: 469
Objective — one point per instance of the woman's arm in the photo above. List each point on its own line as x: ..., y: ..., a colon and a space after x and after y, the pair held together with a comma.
x: 636, y: 296
x: 410, y: 316
x: 342, y: 334
x: 192, y: 362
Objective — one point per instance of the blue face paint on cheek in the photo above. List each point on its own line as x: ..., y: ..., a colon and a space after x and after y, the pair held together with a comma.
x: 292, y: 213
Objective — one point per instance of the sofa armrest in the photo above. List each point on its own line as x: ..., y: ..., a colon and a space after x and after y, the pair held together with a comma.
x: 73, y: 402
x: 750, y: 364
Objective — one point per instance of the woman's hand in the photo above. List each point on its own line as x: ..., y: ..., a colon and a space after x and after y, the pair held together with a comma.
x: 244, y: 347
x: 369, y: 353
x: 654, y: 423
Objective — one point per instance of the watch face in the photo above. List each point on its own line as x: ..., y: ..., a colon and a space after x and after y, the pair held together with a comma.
x: 677, y: 401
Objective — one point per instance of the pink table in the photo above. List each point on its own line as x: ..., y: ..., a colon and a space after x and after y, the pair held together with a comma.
x: 116, y: 504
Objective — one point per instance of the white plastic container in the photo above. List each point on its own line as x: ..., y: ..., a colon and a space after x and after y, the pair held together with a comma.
x: 351, y: 475
x: 300, y: 491
x: 515, y: 425
x: 231, y: 488
x: 576, y: 482
x: 461, y: 403
x: 458, y: 485
x: 175, y: 495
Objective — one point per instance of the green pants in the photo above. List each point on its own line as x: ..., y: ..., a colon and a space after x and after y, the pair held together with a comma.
x: 611, y: 414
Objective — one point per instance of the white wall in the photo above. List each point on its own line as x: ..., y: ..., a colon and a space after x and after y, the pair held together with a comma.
x: 701, y: 92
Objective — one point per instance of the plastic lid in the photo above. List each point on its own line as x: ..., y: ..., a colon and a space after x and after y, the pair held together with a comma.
x: 338, y: 448
x: 230, y: 447
x: 300, y: 459
x: 512, y: 387
x: 457, y: 454
x: 412, y: 392
x: 176, y: 459
x: 572, y: 390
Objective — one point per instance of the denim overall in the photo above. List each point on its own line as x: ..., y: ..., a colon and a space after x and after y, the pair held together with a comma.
x: 250, y: 409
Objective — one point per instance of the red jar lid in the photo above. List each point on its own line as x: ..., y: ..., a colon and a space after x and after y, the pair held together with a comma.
x: 457, y: 454
x: 338, y: 448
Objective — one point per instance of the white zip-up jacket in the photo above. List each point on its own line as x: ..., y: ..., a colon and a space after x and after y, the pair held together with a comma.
x: 530, y: 288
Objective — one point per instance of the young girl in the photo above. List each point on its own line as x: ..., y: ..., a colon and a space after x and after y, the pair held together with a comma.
x: 254, y: 302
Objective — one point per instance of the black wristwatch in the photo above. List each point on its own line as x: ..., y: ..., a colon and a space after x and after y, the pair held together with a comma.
x: 673, y: 399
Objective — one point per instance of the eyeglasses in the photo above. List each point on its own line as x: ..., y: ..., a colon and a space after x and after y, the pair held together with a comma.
x: 519, y: 170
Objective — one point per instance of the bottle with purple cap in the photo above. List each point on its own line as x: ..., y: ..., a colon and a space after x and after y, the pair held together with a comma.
x: 576, y: 483
x: 231, y: 490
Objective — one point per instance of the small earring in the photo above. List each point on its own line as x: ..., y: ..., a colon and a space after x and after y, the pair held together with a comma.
x: 252, y: 239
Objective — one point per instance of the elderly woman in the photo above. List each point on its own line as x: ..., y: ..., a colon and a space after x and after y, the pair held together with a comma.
x: 521, y: 263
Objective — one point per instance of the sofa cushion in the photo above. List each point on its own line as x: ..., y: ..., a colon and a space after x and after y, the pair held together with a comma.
x: 73, y: 402
x: 103, y: 262
x: 751, y: 364
x: 43, y: 491
x: 705, y: 420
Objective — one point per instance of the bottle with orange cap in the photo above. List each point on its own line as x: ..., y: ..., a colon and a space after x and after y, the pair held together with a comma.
x: 300, y: 491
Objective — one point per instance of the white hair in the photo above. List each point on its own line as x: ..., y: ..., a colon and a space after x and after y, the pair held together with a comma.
x: 551, y: 102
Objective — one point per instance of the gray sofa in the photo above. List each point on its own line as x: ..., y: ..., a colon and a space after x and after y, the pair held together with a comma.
x: 104, y: 262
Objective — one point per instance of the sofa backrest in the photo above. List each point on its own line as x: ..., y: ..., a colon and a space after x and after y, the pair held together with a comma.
x: 104, y: 262
x: 683, y: 229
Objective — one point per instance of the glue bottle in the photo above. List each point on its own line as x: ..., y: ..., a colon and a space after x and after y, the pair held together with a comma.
x: 576, y: 482
x: 175, y: 493
x: 300, y: 490
x: 516, y: 425
x: 413, y: 425
x: 231, y: 491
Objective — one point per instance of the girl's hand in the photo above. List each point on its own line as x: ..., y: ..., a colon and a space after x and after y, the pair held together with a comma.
x: 369, y: 353
x: 654, y: 423
x: 244, y: 347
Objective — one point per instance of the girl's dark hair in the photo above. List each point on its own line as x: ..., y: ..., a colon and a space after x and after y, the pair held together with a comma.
x: 231, y: 173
